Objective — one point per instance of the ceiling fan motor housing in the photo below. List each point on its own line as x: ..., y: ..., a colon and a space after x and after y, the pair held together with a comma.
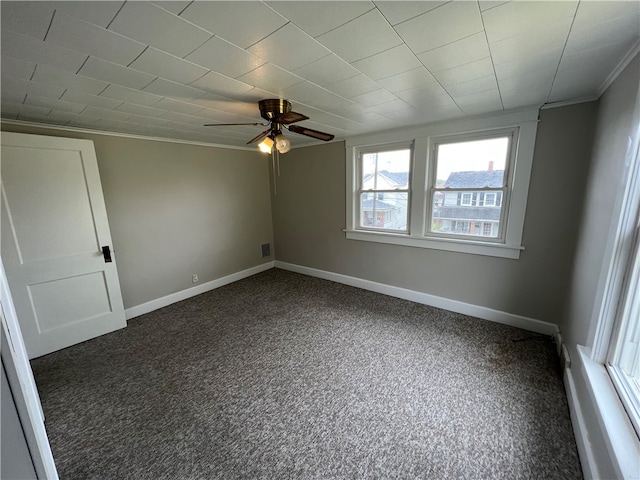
x: 273, y: 108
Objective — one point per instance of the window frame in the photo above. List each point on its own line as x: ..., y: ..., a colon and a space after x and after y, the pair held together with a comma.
x: 512, y: 134
x: 359, y: 187
x: 525, y: 120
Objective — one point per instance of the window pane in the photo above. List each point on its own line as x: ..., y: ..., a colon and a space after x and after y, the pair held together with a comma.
x: 451, y: 209
x: 386, y: 170
x: 389, y: 213
x: 475, y: 164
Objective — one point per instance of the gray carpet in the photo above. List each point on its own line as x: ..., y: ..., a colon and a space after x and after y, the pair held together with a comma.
x: 284, y: 376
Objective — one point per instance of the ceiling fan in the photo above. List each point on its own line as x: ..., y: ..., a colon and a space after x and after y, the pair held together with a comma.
x: 278, y: 114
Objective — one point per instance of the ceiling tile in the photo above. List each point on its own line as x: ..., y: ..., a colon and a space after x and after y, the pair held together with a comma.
x: 544, y: 63
x: 386, y: 64
x: 488, y: 100
x: 416, y: 78
x: 317, y: 18
x: 431, y: 96
x: 241, y: 23
x: 473, y: 47
x: 583, y: 73
x: 221, y: 85
x: 515, y: 18
x: 353, y: 86
x: 18, y: 68
x: 33, y: 88
x: 141, y: 110
x: 105, y: 114
x: 30, y: 49
x: 271, y: 78
x: 315, y: 96
x: 55, y: 104
x: 241, y: 108
x: 46, y: 74
x: 150, y: 24
x: 448, y: 23
x: 327, y: 70
x: 27, y: 18
x: 477, y: 85
x: 464, y: 73
x: 172, y: 6
x: 488, y: 4
x: 130, y: 95
x: 97, y: 12
x: 13, y: 96
x: 28, y: 112
x: 618, y: 30
x: 177, y: 106
x: 517, y: 98
x: 181, y: 118
x: 551, y: 37
x: 397, y: 12
x: 224, y: 57
x: 167, y: 66
x: 114, y: 73
x: 289, y: 48
x: 84, y: 37
x: 590, y: 13
x: 374, y: 98
x: 166, y: 88
x: 88, y: 99
x: 373, y: 32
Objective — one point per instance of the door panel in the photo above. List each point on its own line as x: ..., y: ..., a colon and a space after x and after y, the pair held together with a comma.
x: 54, y: 224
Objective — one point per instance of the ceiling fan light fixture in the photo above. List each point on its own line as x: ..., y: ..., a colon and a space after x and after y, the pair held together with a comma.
x: 282, y: 143
x: 266, y: 145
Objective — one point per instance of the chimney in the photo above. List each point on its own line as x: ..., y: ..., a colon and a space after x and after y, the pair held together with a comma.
x: 491, y: 165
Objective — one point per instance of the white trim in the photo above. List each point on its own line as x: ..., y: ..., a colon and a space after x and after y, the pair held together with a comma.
x: 449, y: 244
x: 514, y: 203
x: 23, y: 386
x: 613, y: 424
x: 566, y: 103
x: 485, y: 313
x: 580, y: 431
x: 633, y: 51
x: 161, y: 302
x: 120, y: 134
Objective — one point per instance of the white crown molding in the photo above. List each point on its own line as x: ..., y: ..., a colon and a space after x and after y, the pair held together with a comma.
x: 631, y: 54
x: 120, y: 134
x: 485, y: 313
x: 566, y: 103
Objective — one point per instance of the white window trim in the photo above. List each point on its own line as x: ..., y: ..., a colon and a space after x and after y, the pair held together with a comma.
x: 359, y: 152
x: 525, y: 120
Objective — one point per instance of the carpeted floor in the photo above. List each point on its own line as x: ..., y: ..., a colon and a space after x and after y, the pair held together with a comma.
x: 284, y: 376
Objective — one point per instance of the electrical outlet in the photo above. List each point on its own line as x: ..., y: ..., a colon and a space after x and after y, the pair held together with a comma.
x: 266, y: 249
x: 194, y: 278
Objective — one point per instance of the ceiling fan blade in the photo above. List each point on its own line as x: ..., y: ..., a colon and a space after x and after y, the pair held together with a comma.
x: 290, y: 117
x: 260, y: 136
x: 233, y: 124
x: 311, y: 133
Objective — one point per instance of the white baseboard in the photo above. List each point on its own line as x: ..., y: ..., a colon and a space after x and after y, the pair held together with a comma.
x: 585, y: 450
x: 485, y: 313
x: 147, y: 307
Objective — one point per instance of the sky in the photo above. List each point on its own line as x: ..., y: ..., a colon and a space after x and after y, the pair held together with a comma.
x: 452, y: 157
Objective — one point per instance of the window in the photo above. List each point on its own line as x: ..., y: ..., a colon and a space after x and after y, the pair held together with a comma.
x: 451, y: 186
x: 466, y: 173
x: 383, y: 177
x: 623, y: 360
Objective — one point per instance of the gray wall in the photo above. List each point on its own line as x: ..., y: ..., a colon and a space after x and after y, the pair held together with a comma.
x: 614, y: 124
x: 309, y: 215
x: 178, y: 209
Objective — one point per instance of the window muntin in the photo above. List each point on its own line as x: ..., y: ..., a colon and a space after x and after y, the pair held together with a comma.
x: 468, y: 182
x: 384, y: 188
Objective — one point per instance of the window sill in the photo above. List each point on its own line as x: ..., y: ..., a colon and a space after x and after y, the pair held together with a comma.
x: 622, y: 442
x: 448, y: 244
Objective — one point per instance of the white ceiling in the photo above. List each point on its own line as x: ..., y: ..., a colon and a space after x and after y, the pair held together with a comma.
x: 165, y: 68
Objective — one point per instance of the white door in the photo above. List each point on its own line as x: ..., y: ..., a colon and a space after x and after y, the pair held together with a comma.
x: 54, y: 228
